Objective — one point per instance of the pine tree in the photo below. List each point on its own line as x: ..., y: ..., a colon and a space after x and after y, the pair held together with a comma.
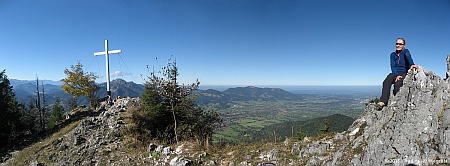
x: 154, y: 110
x: 44, y: 105
x: 33, y: 115
x: 299, y: 135
x: 9, y: 114
x: 57, y: 113
x: 73, y: 103
x: 326, y: 127
x: 28, y: 117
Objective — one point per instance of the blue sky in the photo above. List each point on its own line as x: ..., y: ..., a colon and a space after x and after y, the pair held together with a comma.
x: 224, y: 42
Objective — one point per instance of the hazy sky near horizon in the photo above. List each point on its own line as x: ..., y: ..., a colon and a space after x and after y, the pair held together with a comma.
x: 224, y: 42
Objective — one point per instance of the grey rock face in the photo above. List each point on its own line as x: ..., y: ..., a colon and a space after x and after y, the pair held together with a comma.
x: 180, y: 162
x: 412, y: 129
x: 94, y: 137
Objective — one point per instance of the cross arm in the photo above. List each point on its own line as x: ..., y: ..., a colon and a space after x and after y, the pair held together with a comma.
x: 99, y: 53
x: 109, y: 52
x: 114, y: 51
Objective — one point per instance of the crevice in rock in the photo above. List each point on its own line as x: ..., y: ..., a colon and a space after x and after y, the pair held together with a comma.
x: 396, y: 150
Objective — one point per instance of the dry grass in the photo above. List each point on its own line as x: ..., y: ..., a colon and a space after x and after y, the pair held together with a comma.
x: 37, y: 150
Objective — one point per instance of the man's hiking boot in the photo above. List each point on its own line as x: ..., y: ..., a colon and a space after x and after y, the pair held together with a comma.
x: 379, y: 105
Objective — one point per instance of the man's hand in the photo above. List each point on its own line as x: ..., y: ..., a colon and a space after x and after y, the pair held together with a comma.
x: 398, y: 78
x: 414, y: 66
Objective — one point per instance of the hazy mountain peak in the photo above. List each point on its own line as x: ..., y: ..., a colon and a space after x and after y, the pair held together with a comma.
x: 15, y: 82
x: 119, y: 80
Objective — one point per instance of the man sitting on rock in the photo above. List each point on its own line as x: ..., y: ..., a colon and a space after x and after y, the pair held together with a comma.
x: 401, y: 61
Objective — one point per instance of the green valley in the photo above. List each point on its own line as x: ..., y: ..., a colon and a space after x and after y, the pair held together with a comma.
x: 249, y: 118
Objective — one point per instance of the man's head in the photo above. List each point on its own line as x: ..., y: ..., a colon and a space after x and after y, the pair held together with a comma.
x: 400, y: 44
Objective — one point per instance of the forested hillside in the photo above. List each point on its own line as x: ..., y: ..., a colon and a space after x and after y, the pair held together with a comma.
x: 312, y: 127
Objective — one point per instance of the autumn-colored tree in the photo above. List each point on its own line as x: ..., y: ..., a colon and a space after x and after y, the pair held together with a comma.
x: 80, y: 83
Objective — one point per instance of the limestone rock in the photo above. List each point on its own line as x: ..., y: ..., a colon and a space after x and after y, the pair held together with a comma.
x: 180, y: 162
x: 412, y: 129
x: 94, y: 137
x: 269, y: 156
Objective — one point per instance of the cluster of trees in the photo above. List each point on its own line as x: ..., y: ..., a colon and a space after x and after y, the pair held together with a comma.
x: 169, y: 114
x: 19, y: 120
x: 9, y: 110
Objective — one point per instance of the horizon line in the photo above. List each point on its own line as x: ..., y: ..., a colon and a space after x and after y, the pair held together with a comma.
x: 230, y: 85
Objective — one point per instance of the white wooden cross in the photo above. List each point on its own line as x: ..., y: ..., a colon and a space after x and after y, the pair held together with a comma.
x: 106, y: 53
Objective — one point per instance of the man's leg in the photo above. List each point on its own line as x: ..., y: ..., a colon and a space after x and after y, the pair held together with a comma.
x: 386, y: 91
x: 399, y: 83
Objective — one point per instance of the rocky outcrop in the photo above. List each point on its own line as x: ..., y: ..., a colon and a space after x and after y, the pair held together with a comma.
x: 96, y: 139
x: 412, y: 129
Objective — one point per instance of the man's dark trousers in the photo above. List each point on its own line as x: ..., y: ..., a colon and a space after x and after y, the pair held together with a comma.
x: 387, y: 83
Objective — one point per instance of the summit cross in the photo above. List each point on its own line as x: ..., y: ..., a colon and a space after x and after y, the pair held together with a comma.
x: 106, y: 53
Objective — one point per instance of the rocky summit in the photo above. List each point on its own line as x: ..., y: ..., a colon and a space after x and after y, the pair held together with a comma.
x: 95, y: 139
x: 413, y: 129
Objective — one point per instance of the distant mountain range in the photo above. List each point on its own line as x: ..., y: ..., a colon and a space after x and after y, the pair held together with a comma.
x: 25, y: 90
x: 15, y: 82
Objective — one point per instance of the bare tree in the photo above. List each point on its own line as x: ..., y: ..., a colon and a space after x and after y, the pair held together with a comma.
x: 38, y: 105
